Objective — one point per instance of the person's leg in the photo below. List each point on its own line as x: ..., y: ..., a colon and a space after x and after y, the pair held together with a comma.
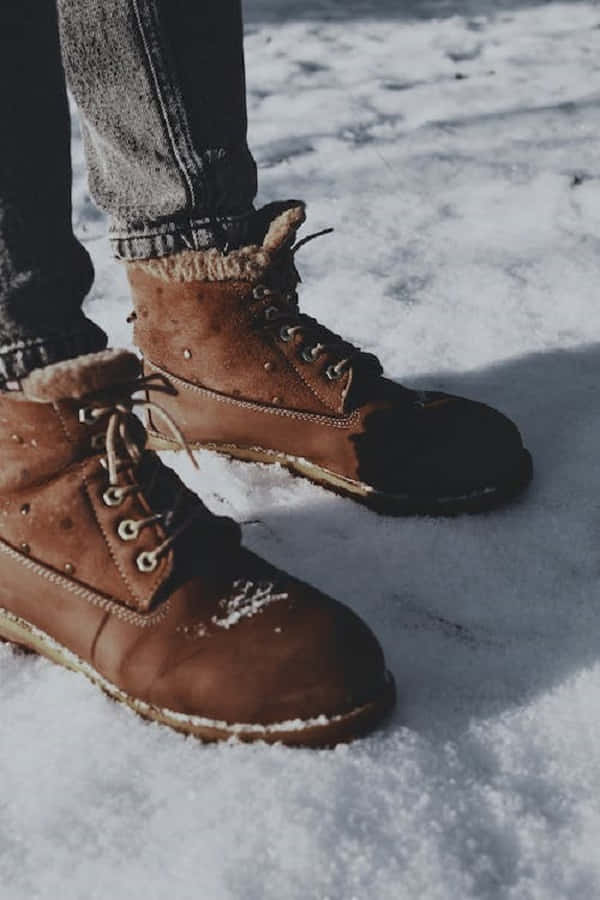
x: 144, y: 591
x: 44, y: 272
x: 160, y: 84
x: 160, y: 88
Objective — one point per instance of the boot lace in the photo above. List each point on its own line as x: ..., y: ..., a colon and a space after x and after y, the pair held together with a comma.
x: 283, y: 316
x: 124, y: 451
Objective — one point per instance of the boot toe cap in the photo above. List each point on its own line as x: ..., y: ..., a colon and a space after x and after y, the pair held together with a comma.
x: 301, y: 657
x: 446, y: 447
x: 474, y: 447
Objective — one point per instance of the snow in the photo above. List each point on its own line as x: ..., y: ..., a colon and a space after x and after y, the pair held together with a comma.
x: 250, y: 600
x: 466, y: 253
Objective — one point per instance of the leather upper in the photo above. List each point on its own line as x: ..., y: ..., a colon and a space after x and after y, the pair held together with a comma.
x: 212, y: 631
x: 236, y: 379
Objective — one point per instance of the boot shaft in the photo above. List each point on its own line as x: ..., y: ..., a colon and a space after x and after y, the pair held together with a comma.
x: 43, y: 427
x: 230, y: 323
x: 37, y: 440
x: 58, y: 503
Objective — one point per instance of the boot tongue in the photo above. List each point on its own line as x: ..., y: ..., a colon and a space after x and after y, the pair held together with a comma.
x: 75, y: 378
x: 208, y: 536
x: 275, y: 225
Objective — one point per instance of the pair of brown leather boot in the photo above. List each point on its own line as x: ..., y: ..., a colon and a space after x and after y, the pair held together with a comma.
x: 112, y: 567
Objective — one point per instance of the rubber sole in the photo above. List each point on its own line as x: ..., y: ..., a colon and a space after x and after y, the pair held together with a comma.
x: 321, y: 731
x: 480, y: 500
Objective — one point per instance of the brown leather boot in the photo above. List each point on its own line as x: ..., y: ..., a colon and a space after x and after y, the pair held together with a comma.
x: 111, y: 567
x: 255, y: 378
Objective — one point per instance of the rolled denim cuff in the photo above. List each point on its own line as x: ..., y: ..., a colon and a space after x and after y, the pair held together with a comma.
x: 151, y: 240
x: 21, y: 357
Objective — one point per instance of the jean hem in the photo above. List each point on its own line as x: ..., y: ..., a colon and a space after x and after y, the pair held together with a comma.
x: 19, y: 358
x: 152, y: 240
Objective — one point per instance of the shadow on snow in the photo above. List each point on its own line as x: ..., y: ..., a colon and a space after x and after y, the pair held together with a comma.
x: 263, y: 11
x: 477, y: 614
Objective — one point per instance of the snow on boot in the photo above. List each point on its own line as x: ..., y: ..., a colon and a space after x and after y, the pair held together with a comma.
x: 255, y: 378
x: 111, y: 567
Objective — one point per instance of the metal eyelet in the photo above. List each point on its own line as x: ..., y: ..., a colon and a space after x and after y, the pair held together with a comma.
x: 128, y: 529
x: 333, y: 373
x: 259, y: 292
x: 146, y: 561
x: 308, y: 354
x: 284, y: 334
x: 270, y: 312
x: 98, y: 442
x: 113, y: 496
x: 86, y: 415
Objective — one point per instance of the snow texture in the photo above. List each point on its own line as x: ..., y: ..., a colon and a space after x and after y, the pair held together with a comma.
x: 249, y: 600
x: 455, y: 148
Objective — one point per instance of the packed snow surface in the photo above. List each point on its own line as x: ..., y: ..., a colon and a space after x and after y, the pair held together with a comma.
x: 455, y: 147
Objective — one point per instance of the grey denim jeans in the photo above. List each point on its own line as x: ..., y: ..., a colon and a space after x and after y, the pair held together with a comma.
x: 160, y: 88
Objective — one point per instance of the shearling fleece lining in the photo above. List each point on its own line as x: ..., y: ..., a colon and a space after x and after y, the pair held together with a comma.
x: 246, y: 264
x: 74, y: 378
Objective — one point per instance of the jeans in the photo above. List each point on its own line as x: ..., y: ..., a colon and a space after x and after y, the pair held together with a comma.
x: 160, y: 88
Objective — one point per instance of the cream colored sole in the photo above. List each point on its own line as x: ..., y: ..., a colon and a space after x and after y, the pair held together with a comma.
x: 317, y: 732
x: 296, y: 464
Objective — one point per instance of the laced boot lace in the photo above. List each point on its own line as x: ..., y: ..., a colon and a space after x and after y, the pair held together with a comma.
x: 124, y: 450
x: 283, y: 315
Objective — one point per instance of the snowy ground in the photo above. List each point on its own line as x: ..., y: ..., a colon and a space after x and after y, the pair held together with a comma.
x: 455, y: 147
